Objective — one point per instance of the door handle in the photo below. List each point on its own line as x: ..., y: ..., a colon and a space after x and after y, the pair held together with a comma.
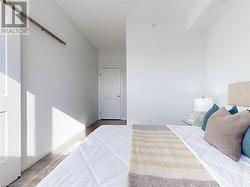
x: 119, y: 96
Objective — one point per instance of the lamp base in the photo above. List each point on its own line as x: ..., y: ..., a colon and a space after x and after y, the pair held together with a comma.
x: 198, y: 118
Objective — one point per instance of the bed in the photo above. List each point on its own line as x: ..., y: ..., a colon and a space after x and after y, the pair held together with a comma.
x: 102, y: 160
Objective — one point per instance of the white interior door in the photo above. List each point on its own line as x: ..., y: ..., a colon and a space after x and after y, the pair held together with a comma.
x: 10, y: 109
x: 110, y: 94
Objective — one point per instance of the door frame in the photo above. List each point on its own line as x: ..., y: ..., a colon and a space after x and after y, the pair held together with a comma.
x: 121, y: 90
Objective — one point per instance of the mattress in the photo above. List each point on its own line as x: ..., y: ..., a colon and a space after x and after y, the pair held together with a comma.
x: 102, y: 160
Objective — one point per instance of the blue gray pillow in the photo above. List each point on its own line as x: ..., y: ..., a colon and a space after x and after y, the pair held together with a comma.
x: 207, y: 116
x: 233, y: 110
x: 246, y: 144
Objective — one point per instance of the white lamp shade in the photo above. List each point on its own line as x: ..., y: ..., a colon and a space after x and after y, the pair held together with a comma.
x: 203, y: 104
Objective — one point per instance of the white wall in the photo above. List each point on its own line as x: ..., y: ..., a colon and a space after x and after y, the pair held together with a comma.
x: 115, y: 58
x: 228, y: 51
x: 165, y: 70
x: 204, y: 13
x: 59, y: 83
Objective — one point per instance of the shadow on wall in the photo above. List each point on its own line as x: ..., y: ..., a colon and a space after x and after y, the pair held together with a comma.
x: 53, y: 126
x: 44, y: 132
x: 48, y: 121
x: 48, y: 118
x: 59, y: 92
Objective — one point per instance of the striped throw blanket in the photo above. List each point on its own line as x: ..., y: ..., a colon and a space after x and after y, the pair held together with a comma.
x: 160, y: 159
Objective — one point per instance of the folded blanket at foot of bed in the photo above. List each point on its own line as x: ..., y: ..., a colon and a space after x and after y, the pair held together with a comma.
x: 160, y: 159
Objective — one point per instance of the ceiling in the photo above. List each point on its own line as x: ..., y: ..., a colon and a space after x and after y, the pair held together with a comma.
x: 103, y: 22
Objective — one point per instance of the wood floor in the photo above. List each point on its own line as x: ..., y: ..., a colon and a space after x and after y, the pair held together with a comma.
x: 104, y: 122
x: 33, y: 175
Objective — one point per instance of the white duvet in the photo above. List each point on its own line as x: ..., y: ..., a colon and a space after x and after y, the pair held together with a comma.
x: 102, y: 160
